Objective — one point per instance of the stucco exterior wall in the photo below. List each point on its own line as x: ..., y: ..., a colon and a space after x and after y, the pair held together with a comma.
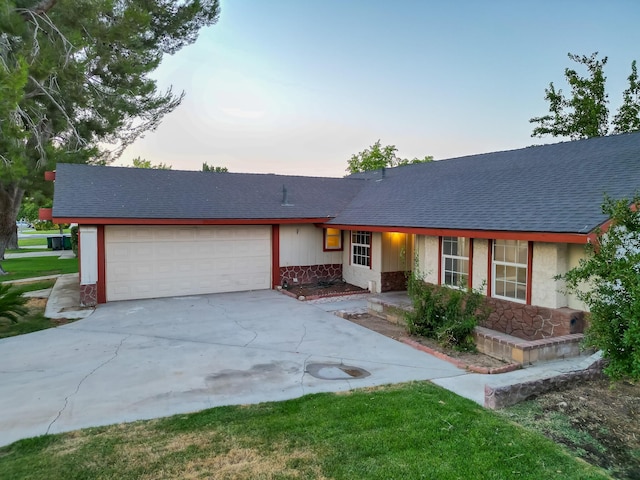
x: 302, y: 245
x: 359, y: 275
x: 428, y: 258
x: 88, y: 254
x: 549, y: 259
x: 574, y: 254
x: 480, y: 265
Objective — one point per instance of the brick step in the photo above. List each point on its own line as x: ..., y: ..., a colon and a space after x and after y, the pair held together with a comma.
x: 509, y: 348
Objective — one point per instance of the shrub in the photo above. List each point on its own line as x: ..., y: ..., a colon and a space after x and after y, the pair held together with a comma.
x: 445, y: 314
x: 608, y: 282
x: 43, y: 225
x: 11, y: 303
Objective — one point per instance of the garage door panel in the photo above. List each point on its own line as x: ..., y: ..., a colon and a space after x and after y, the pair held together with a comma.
x: 159, y: 261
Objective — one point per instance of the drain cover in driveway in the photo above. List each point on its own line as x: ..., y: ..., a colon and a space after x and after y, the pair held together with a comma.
x: 335, y: 371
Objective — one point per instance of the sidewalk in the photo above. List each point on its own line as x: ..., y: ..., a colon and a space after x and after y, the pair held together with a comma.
x: 64, y: 300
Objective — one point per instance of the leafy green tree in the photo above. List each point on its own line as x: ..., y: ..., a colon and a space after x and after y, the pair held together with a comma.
x: 210, y: 168
x: 628, y: 117
x: 585, y: 113
x: 75, y: 85
x: 608, y: 282
x: 142, y: 163
x: 29, y: 210
x: 377, y: 156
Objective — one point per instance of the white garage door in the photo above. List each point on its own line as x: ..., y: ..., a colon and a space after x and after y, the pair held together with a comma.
x: 167, y: 261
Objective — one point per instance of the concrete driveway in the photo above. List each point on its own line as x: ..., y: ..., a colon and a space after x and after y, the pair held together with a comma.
x: 151, y: 358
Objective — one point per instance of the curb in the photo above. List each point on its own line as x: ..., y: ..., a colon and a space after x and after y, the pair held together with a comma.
x: 22, y: 281
x: 459, y: 363
x: 302, y: 298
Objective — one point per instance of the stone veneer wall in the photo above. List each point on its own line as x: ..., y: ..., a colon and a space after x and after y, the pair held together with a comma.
x: 89, y: 295
x: 530, y: 322
x: 311, y: 273
x: 505, y: 396
x: 393, y: 281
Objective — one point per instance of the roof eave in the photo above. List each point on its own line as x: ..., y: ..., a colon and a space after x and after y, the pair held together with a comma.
x: 186, y: 221
x: 550, y: 237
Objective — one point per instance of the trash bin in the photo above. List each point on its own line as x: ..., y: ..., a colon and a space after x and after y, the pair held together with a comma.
x: 56, y: 243
x: 66, y: 245
x: 49, y: 242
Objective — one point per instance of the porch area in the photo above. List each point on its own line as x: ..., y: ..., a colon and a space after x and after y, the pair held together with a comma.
x: 391, y: 306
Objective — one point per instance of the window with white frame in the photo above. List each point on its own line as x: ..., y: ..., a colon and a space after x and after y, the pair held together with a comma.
x: 361, y: 248
x: 510, y: 269
x: 455, y: 261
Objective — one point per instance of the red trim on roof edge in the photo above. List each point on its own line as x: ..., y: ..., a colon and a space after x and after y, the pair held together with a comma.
x: 186, y: 221
x: 580, y: 238
x: 50, y: 175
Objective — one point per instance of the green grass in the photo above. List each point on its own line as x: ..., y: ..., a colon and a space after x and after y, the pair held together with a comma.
x: 31, y: 322
x: 31, y: 242
x: 33, y: 286
x: 409, y: 431
x: 34, y: 320
x: 46, y: 232
x: 19, y: 268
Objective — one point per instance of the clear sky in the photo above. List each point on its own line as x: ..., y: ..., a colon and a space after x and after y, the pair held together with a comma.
x: 298, y: 86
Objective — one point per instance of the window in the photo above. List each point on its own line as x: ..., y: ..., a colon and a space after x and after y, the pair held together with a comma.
x: 510, y: 269
x: 332, y: 239
x: 455, y: 261
x: 361, y: 248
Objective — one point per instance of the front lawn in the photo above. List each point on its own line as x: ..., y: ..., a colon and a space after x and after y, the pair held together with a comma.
x: 55, y: 231
x: 32, y: 322
x: 407, y: 431
x: 32, y: 242
x: 28, y: 267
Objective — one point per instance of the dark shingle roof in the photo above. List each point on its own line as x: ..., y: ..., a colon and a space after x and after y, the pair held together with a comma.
x: 555, y: 188
x: 551, y: 188
x: 83, y: 191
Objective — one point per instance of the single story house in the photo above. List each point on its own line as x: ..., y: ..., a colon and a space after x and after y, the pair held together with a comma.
x: 506, y: 222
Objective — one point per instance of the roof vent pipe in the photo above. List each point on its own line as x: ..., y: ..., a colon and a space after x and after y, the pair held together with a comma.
x: 384, y: 171
x: 285, y: 197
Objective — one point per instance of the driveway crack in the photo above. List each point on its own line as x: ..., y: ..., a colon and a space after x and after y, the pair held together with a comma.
x: 304, y: 372
x: 226, y: 314
x: 66, y: 399
x: 304, y: 334
x: 255, y: 334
